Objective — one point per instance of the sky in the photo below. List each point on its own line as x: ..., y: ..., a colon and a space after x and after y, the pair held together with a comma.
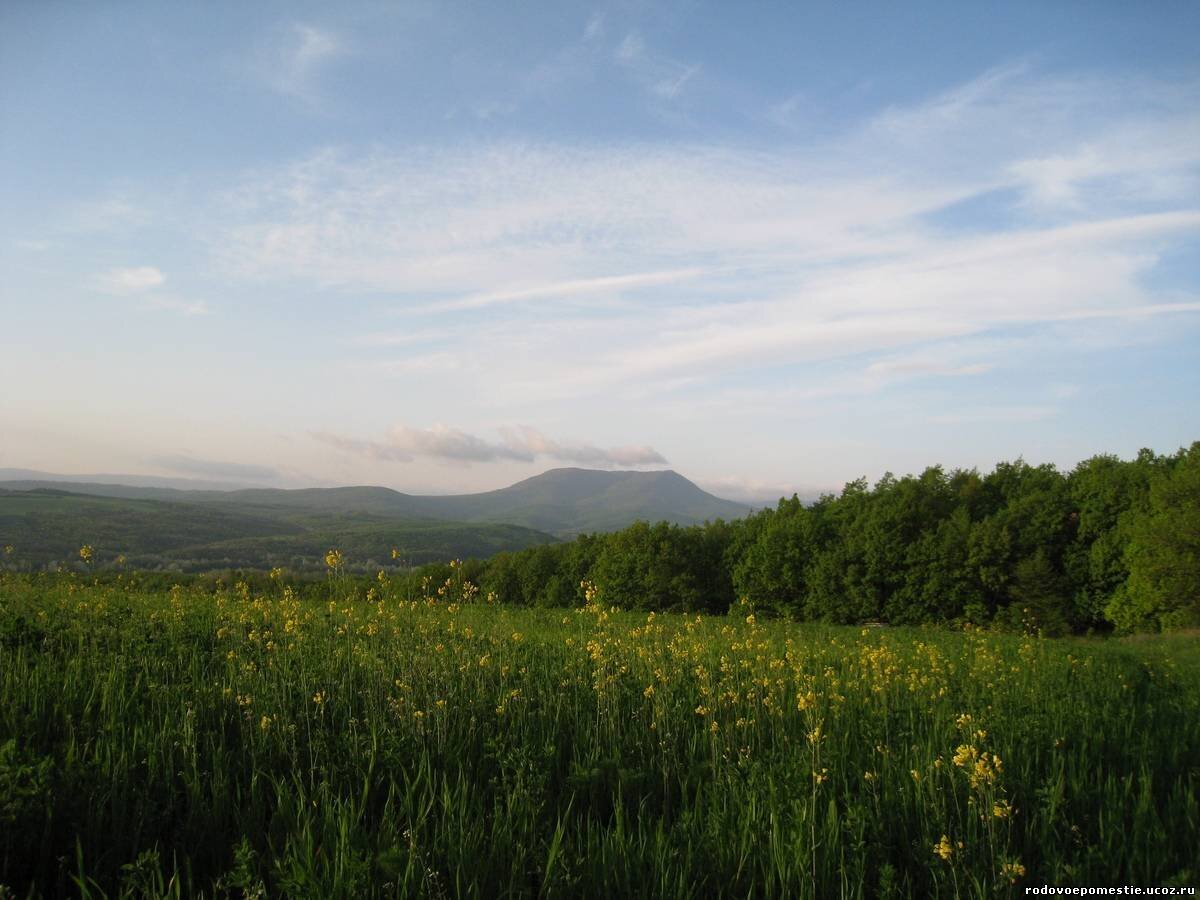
x: 444, y: 246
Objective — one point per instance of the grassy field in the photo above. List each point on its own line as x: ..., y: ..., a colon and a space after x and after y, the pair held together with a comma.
x: 226, y: 744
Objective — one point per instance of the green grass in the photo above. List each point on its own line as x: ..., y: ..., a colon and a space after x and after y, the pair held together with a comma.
x: 225, y: 744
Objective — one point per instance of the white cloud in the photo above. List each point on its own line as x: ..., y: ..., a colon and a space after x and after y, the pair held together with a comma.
x: 292, y: 64
x: 594, y: 30
x: 523, y: 439
x: 632, y: 46
x: 518, y: 443
x: 672, y: 86
x: 915, y: 366
x: 178, y: 305
x: 606, y: 284
x: 662, y: 76
x: 673, y: 264
x: 133, y: 280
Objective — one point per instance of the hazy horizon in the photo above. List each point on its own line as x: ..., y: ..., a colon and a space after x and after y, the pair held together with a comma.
x: 443, y: 248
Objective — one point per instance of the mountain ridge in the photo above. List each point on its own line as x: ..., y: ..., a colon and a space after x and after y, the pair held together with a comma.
x: 562, y: 501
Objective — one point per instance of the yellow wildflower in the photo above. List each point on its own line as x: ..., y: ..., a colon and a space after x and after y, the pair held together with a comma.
x: 944, y: 849
x: 1012, y: 871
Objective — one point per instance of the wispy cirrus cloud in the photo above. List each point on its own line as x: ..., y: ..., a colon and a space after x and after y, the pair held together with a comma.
x: 519, y: 443
x: 291, y: 63
x: 676, y: 263
x: 664, y: 77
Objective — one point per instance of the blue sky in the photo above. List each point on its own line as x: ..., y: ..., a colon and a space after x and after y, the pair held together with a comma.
x: 443, y: 247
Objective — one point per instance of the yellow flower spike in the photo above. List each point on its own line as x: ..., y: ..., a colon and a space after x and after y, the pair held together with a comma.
x: 86, y: 552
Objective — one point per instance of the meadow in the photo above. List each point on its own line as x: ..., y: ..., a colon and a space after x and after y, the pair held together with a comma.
x: 230, y: 742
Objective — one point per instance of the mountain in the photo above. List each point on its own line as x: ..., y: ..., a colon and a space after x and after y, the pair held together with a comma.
x: 573, y: 501
x: 564, y: 502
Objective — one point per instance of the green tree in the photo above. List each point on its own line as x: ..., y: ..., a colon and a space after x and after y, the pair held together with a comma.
x: 1163, y: 553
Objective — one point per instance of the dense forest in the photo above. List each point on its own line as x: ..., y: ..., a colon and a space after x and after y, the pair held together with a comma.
x: 1110, y: 545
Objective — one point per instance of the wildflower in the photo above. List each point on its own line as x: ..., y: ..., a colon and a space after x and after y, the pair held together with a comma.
x: 86, y: 552
x: 265, y: 723
x: 869, y: 776
x: 944, y: 849
x: 334, y: 559
x: 916, y: 776
x: 648, y: 692
x: 965, y: 755
x: 1012, y: 871
x: 319, y: 698
x: 1001, y: 809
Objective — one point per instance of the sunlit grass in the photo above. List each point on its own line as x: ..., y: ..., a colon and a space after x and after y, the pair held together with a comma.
x: 227, y: 743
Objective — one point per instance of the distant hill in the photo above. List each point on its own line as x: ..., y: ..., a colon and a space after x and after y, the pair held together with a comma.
x: 261, y: 527
x: 109, y: 480
x: 47, y: 526
x: 573, y: 501
x: 561, y: 501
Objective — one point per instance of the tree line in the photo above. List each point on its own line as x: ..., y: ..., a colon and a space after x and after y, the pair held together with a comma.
x: 1110, y: 544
